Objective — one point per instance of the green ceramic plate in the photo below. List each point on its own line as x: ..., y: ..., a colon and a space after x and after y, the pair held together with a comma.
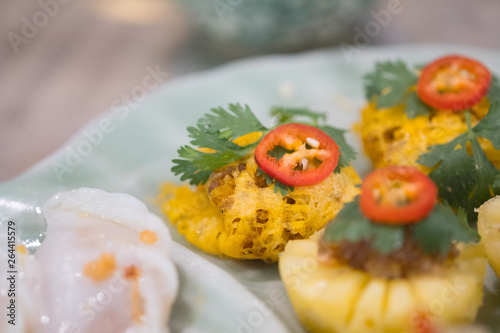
x: 130, y: 150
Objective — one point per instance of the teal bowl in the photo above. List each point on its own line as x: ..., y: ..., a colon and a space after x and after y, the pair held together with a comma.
x: 234, y: 28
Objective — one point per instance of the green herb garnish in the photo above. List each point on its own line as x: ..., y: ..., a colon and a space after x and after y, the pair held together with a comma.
x: 347, y: 153
x: 278, y: 186
x: 494, y: 90
x: 216, y: 131
x: 297, y: 115
x: 351, y: 225
x: 434, y: 234
x: 391, y: 84
x: 464, y: 180
x: 441, y: 227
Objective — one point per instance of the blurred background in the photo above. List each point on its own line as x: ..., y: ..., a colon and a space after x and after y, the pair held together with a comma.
x: 62, y: 62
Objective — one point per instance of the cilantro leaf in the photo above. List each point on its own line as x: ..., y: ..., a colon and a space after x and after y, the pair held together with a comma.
x: 488, y: 127
x: 347, y: 153
x: 278, y: 152
x: 238, y: 122
x: 187, y: 168
x: 269, y: 180
x: 197, y: 166
x: 293, y: 115
x: 436, y: 152
x: 494, y: 91
x: 464, y: 180
x: 415, y: 106
x: 392, y: 83
x: 440, y: 228
x: 486, y: 173
x: 215, y: 131
x: 388, y: 238
x: 278, y: 186
x: 282, y: 188
x: 351, y: 225
x: 455, y: 178
x: 434, y: 234
x: 466, y: 234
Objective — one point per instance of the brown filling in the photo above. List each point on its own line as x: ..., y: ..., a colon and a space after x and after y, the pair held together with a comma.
x: 406, y: 261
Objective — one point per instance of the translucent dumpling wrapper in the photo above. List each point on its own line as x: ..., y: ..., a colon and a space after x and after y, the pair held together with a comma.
x: 104, y: 266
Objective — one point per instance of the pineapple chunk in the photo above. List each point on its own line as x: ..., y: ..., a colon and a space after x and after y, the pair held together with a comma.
x: 400, y: 302
x: 322, y: 297
x: 369, y: 307
x: 488, y: 225
x: 336, y: 298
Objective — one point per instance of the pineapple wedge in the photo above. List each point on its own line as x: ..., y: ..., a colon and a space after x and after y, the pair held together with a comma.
x: 336, y: 298
x: 488, y: 225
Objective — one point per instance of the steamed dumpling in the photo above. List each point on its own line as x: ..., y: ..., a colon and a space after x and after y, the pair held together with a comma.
x: 103, y: 267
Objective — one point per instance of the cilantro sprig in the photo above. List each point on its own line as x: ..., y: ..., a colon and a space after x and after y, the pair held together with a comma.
x: 351, y: 225
x: 434, y: 234
x: 494, y: 90
x: 217, y: 131
x: 466, y: 180
x: 278, y: 186
x: 393, y: 83
x: 464, y: 175
x: 294, y: 115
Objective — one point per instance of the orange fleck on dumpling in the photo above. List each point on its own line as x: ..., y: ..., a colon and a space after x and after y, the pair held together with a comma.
x: 100, y: 269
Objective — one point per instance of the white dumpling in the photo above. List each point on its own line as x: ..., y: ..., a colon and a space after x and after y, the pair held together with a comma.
x: 104, y: 266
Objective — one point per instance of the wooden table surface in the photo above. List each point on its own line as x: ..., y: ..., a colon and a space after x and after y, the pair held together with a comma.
x: 86, y: 55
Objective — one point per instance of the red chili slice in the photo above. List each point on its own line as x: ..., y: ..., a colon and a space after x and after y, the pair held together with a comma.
x: 453, y: 83
x: 397, y: 195
x: 309, y: 154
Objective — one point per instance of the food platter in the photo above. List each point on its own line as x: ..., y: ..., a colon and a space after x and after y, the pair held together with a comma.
x: 129, y: 149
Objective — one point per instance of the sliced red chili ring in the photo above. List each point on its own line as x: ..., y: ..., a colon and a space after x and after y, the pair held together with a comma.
x: 453, y: 83
x: 397, y: 195
x: 297, y: 154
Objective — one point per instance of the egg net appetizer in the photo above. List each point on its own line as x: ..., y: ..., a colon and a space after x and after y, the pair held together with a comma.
x: 393, y: 260
x: 258, y: 187
x: 442, y: 118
